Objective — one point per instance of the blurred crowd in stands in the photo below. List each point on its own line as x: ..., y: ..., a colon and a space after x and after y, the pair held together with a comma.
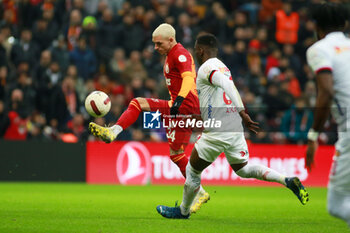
x: 54, y: 52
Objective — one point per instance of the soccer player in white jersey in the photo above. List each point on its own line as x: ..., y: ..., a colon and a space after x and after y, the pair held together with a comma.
x: 213, y: 81
x: 329, y: 58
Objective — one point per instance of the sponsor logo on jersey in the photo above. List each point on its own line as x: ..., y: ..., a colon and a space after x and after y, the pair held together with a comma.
x: 224, y: 69
x: 166, y: 68
x: 341, y: 49
x: 133, y: 165
x: 168, y: 81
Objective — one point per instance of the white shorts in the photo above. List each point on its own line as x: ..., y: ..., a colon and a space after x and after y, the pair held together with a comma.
x: 235, y: 148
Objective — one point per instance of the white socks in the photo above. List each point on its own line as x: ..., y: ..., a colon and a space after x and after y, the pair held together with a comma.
x: 193, y: 181
x: 262, y: 173
x: 191, y: 188
x: 116, y: 129
x: 201, y: 190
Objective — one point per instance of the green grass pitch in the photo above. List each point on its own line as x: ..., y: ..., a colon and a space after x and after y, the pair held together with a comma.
x: 78, y: 207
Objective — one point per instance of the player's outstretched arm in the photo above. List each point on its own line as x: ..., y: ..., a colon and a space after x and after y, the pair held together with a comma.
x: 218, y: 79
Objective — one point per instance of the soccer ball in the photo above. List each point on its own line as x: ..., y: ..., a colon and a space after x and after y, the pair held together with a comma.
x: 97, y: 104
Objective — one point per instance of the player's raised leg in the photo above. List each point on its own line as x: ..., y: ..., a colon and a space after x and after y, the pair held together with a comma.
x: 130, y: 115
x: 261, y: 172
x: 237, y: 156
x: 294, y: 184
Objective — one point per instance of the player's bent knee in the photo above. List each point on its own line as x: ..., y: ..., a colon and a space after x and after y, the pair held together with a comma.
x: 250, y: 171
x: 244, y: 172
x: 143, y: 103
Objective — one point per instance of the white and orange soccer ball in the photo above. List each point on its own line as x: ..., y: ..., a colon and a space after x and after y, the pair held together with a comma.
x: 97, y: 104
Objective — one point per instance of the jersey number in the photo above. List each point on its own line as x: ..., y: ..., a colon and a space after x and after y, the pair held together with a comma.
x: 171, y: 135
x: 226, y: 100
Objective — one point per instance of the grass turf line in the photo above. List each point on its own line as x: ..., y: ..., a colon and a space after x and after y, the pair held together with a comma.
x: 78, y: 207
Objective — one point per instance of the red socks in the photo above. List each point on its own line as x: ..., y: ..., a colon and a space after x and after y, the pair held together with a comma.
x: 181, y: 161
x: 130, y: 115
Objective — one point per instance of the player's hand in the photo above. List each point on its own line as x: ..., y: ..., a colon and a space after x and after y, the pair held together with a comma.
x: 310, y: 154
x: 197, y: 117
x: 174, y: 110
x: 249, y: 123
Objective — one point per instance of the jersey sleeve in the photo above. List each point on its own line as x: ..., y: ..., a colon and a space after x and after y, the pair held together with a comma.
x: 185, y: 65
x: 318, y: 59
x: 183, y: 62
x: 205, y: 73
x: 220, y: 80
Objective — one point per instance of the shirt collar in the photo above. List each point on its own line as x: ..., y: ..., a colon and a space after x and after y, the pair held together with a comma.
x: 174, y: 48
x: 335, y: 34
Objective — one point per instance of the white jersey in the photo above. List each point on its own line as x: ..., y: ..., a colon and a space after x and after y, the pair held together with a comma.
x: 214, y: 103
x: 333, y: 53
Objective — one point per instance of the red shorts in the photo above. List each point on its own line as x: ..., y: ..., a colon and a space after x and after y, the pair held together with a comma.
x: 178, y: 137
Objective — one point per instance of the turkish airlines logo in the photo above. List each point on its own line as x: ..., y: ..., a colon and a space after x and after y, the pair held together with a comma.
x: 134, y: 164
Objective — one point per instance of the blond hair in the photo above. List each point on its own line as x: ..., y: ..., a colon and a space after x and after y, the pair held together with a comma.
x: 165, y: 30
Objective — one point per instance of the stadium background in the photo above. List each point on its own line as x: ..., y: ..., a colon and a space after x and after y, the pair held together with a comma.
x: 54, y: 52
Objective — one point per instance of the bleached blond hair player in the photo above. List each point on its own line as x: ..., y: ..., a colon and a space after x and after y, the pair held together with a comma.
x: 214, y: 81
x: 329, y: 59
x: 180, y: 74
x: 164, y: 40
x: 165, y: 30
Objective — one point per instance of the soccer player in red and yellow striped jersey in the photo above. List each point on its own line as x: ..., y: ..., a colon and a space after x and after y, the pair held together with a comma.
x: 180, y: 75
